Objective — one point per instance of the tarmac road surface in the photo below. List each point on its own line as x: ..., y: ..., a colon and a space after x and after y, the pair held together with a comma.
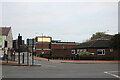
x: 61, y: 70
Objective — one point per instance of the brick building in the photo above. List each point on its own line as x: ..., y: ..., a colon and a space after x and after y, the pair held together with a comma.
x: 47, y: 47
x: 99, y: 48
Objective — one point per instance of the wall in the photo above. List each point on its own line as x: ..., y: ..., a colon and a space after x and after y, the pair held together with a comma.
x: 10, y: 39
x: 108, y: 54
x: 61, y: 53
x: 57, y: 49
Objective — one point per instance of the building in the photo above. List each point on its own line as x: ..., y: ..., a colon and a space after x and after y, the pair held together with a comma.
x: 43, y: 45
x: 18, y: 42
x: 6, y: 37
x: 99, y: 48
x: 63, y: 49
x: 47, y: 47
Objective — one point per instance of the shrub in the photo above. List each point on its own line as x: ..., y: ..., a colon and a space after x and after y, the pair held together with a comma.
x: 84, y: 54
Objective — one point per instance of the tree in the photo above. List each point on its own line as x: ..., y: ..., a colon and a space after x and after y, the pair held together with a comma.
x: 98, y: 35
x: 115, y: 42
x: 84, y: 54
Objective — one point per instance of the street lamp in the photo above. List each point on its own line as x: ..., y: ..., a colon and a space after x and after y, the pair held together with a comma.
x: 42, y: 52
x: 42, y: 49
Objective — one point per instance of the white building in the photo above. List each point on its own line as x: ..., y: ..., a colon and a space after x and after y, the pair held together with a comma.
x: 6, y: 36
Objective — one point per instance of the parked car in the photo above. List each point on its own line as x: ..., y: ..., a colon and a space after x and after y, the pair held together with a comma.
x: 2, y: 56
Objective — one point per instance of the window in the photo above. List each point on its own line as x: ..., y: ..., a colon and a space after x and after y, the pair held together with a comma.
x: 111, y: 50
x: 73, y: 51
x: 81, y: 50
x: 85, y: 50
x: 101, y: 51
x: 42, y: 52
x: 78, y: 51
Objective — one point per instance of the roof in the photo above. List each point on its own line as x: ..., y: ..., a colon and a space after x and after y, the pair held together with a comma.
x: 95, y: 44
x: 5, y: 30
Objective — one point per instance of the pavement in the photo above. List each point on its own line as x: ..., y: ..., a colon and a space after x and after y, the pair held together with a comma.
x: 78, y: 61
x: 14, y: 63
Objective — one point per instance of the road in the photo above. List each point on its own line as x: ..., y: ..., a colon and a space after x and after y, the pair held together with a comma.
x: 61, y: 70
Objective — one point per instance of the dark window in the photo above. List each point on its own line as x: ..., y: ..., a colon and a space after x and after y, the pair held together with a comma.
x: 73, y: 51
x: 101, y: 51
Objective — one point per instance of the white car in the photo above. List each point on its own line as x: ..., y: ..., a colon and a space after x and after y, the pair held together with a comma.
x: 2, y: 56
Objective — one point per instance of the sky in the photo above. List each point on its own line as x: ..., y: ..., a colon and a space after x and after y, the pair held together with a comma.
x: 66, y: 21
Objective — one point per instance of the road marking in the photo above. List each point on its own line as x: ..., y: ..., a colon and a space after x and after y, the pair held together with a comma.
x: 108, y: 72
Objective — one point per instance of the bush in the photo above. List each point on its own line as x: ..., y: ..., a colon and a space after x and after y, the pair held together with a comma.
x: 84, y: 54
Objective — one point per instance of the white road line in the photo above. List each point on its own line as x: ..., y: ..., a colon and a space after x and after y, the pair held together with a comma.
x: 108, y: 72
x: 113, y: 71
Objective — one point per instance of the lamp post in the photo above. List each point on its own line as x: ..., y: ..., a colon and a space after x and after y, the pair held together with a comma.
x: 42, y: 46
x: 42, y: 41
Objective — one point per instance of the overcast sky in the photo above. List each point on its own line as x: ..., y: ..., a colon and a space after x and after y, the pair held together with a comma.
x: 67, y: 21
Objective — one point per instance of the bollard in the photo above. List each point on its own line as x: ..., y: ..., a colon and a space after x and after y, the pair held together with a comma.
x: 32, y: 59
x: 19, y: 58
x: 7, y: 58
x: 27, y: 58
x: 23, y: 58
x: 14, y: 56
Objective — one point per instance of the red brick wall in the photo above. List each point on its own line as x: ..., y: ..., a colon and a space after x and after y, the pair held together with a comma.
x: 61, y: 46
x: 40, y: 51
x: 107, y: 53
x: 58, y: 50
x: 42, y: 45
x: 61, y: 53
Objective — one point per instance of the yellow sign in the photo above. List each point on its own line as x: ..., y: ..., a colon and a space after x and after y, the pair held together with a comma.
x: 40, y: 39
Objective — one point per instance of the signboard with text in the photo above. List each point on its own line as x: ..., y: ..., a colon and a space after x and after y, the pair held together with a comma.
x: 43, y: 39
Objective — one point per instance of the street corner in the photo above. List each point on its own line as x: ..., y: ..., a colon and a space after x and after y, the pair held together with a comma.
x: 35, y: 65
x: 13, y: 63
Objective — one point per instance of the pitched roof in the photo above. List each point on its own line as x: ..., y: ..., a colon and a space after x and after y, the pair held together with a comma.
x: 4, y: 30
x: 95, y: 44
